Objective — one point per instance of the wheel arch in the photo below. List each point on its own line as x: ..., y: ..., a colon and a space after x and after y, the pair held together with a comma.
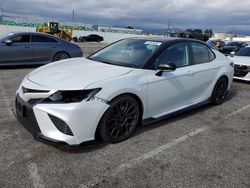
x: 136, y: 97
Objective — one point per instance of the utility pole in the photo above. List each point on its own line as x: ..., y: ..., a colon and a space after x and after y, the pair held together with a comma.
x: 1, y: 17
x: 169, y: 20
x: 73, y: 16
x: 97, y: 22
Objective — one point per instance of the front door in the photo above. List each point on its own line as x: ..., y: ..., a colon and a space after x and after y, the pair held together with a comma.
x: 170, y: 90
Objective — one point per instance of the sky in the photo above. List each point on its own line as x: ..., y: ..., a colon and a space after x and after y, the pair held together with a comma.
x: 220, y: 15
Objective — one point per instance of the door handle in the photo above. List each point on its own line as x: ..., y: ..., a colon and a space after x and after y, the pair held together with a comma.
x: 190, y: 73
x: 54, y: 46
x: 26, y: 47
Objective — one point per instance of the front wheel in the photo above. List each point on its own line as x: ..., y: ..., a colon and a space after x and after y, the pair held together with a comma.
x: 60, y: 56
x: 220, y: 91
x: 120, y: 120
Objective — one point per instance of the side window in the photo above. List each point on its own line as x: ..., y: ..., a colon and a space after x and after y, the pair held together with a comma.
x: 202, y: 54
x: 21, y: 38
x: 38, y: 38
x: 176, y: 53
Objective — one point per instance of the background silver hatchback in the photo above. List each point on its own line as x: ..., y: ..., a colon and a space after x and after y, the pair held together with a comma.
x: 26, y: 48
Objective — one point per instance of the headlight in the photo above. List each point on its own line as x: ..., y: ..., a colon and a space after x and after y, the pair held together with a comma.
x: 72, y: 96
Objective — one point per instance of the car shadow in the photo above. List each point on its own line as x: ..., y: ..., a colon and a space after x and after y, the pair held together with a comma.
x: 99, y: 143
x: 19, y: 67
x: 242, y: 81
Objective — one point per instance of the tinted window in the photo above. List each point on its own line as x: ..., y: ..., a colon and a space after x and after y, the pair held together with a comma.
x: 234, y: 44
x: 243, y: 52
x: 21, y: 38
x: 177, y: 54
x: 202, y: 54
x: 38, y: 38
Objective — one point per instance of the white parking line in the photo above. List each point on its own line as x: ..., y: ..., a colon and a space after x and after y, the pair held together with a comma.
x: 238, y: 111
x: 3, y: 120
x: 37, y: 181
x: 4, y: 99
x: 156, y: 151
x: 144, y: 157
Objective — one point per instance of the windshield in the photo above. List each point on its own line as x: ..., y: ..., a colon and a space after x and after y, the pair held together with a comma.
x: 243, y: 52
x: 127, y: 52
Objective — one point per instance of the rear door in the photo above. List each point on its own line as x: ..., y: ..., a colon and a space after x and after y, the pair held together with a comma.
x: 203, y: 70
x: 44, y: 48
x: 18, y: 52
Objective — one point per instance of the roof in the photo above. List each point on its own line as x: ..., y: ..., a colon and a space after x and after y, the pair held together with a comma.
x: 164, y: 39
x: 34, y: 33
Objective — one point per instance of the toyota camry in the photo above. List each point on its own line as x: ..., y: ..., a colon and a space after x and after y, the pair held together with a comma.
x: 131, y: 82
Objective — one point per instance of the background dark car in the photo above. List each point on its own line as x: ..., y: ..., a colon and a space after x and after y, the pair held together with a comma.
x: 90, y: 38
x: 26, y: 48
x: 232, y: 47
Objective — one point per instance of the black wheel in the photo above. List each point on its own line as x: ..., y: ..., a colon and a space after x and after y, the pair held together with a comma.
x: 120, y: 120
x: 60, y: 56
x: 220, y: 91
x: 83, y: 40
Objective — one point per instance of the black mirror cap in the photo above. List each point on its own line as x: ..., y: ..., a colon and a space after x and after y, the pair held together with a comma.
x: 167, y: 67
x: 8, y: 42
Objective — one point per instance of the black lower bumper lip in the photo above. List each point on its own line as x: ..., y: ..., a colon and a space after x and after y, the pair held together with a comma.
x: 48, y: 141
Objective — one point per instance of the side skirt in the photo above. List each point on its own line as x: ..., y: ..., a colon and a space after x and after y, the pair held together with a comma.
x: 151, y: 120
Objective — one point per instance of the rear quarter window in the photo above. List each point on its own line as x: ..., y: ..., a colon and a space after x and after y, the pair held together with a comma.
x: 202, y: 54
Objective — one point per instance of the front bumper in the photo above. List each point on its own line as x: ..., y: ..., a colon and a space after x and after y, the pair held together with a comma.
x: 81, y: 118
x: 242, y: 72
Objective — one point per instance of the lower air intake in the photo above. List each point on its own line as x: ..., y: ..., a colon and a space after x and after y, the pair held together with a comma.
x: 61, y: 125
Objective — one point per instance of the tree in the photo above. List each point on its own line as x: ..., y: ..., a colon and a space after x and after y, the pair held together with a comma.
x: 209, y: 32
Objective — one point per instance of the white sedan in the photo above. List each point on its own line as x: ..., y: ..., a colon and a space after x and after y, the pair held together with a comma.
x: 133, y: 81
x: 241, y: 60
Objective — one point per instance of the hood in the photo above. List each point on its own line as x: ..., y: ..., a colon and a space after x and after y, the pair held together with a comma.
x: 241, y: 60
x: 76, y: 73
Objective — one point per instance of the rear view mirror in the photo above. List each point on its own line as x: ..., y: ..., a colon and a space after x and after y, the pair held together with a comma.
x: 8, y: 42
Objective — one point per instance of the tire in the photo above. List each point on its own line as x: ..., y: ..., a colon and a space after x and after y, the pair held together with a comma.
x: 120, y: 120
x: 220, y: 91
x: 60, y: 56
x: 83, y: 40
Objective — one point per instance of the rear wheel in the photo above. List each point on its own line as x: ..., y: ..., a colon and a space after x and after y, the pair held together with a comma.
x: 60, y: 56
x: 120, y: 120
x: 220, y: 91
x: 83, y: 40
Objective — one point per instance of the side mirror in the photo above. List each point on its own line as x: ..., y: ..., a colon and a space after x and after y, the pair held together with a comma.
x: 232, y: 54
x: 8, y: 42
x: 167, y: 67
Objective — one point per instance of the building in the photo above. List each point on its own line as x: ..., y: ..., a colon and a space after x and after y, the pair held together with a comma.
x: 224, y: 36
x: 120, y: 30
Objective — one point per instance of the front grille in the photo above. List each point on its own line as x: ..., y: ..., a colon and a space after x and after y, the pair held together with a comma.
x: 61, y: 125
x: 25, y: 115
x: 241, y: 70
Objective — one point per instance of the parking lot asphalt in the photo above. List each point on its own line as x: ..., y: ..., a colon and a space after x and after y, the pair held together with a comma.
x: 205, y: 147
